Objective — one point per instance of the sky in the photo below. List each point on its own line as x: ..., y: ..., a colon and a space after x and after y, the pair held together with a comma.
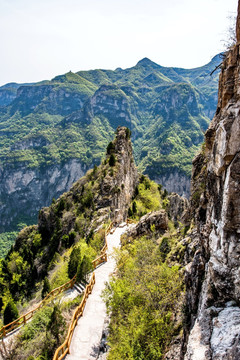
x: 40, y: 39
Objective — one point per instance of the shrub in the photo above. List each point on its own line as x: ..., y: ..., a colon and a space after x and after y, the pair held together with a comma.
x: 60, y: 206
x: 73, y: 262
x: 142, y: 299
x: 110, y: 148
x: 10, y: 313
x: 164, y: 248
x: 95, y: 169
x: 164, y: 193
x: 56, y: 324
x: 128, y: 133
x: 83, y: 268
x: 136, y: 192
x: 130, y: 213
x: 134, y: 207
x: 65, y: 241
x: 72, y: 237
x: 112, y: 160
x: 46, y: 287
x: 87, y: 199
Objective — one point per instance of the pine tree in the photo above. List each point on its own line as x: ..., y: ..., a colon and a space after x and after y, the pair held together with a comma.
x: 112, y: 160
x: 83, y: 268
x: 134, y: 207
x: 10, y: 313
x: 56, y: 324
x: 110, y: 148
x: 74, y: 260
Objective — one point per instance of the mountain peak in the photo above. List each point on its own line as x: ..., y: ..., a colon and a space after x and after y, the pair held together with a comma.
x: 147, y: 62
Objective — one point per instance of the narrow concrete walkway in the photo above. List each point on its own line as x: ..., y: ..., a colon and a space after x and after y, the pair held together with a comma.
x: 87, y: 334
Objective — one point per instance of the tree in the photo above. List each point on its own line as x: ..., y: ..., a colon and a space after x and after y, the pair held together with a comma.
x: 110, y: 148
x: 56, y: 324
x: 134, y: 207
x: 112, y: 160
x: 128, y: 133
x: 130, y: 213
x: 83, y: 268
x: 10, y: 313
x: 46, y: 287
x: 74, y: 260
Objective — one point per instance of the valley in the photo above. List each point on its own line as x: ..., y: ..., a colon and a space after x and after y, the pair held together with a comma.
x: 52, y: 132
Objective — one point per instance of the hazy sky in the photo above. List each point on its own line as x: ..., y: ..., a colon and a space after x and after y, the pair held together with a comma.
x: 44, y: 38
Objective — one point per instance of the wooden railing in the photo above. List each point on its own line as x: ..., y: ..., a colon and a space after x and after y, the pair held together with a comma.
x: 103, y: 257
x: 131, y: 221
x: 63, y: 350
x: 24, y: 318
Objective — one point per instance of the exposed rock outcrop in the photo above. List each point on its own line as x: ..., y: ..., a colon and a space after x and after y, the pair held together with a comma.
x: 106, y: 192
x: 175, y: 182
x: 158, y: 219
x: 40, y: 186
x: 117, y: 189
x: 178, y: 208
x: 212, y: 279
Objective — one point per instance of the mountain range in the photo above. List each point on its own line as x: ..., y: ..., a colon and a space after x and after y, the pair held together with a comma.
x: 51, y: 132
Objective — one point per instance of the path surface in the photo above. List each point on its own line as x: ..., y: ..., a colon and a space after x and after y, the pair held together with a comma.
x: 87, y: 334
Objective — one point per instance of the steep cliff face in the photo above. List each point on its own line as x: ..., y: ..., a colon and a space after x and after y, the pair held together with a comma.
x: 175, y: 181
x: 212, y: 279
x: 103, y: 194
x: 32, y: 188
x: 46, y: 125
x: 117, y: 187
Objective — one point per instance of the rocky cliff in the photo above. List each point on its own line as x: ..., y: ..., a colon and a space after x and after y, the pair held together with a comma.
x: 48, y: 126
x: 103, y: 194
x: 212, y: 278
x: 28, y: 189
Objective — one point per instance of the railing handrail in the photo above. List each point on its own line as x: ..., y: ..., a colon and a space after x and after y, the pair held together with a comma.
x: 64, y: 348
x: 131, y: 221
x: 23, y: 318
x: 53, y: 293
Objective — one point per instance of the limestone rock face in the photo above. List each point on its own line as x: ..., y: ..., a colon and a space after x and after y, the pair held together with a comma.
x: 144, y: 227
x: 178, y: 208
x: 214, y: 321
x: 116, y: 191
x: 175, y: 181
x: 40, y: 186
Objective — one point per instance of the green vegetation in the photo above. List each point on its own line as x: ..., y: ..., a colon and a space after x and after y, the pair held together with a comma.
x: 6, y: 241
x: 74, y: 116
x: 142, y: 300
x: 46, y: 287
x: 112, y: 160
x: 147, y: 198
x: 75, y: 259
x: 62, y: 245
x: 10, y: 313
x: 84, y: 267
x: 40, y: 337
x: 144, y: 297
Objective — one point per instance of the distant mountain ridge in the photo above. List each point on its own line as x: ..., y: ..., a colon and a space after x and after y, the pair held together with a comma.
x: 51, y: 132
